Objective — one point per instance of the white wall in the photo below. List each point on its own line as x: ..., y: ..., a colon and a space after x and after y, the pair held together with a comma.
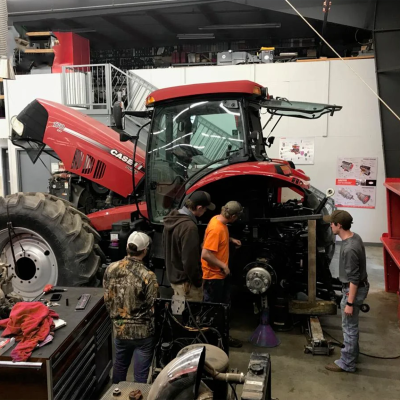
x: 18, y: 94
x: 353, y: 132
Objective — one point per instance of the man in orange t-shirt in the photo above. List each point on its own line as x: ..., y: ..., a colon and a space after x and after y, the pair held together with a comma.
x: 215, y: 254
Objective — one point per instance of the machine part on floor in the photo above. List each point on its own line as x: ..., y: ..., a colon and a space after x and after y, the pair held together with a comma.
x: 365, y: 169
x: 53, y: 243
x: 264, y: 335
x: 318, y: 345
x: 347, y: 166
x: 216, y: 358
x: 257, y: 384
x: 346, y: 194
x: 180, y: 379
x: 364, y: 198
x: 177, y: 305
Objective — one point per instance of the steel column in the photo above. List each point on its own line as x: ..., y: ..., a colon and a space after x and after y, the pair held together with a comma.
x: 387, y: 56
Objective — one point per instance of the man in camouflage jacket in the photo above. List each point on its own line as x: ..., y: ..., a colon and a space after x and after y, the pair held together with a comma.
x: 130, y: 291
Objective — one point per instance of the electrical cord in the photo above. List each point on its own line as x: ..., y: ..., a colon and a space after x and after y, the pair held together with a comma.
x: 234, y: 390
x: 355, y: 37
x: 188, y: 328
x: 195, y: 322
x: 364, y: 354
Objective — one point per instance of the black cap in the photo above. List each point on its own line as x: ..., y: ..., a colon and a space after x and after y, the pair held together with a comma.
x: 201, y: 198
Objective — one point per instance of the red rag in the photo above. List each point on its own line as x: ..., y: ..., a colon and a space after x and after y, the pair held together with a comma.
x: 30, y: 323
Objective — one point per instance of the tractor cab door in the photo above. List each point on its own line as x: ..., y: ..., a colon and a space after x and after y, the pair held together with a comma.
x: 188, y: 139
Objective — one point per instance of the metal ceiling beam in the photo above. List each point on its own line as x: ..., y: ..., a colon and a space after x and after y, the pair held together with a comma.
x: 26, y: 10
x: 123, y: 26
x: 168, y: 25
x: 356, y: 13
x: 97, y: 37
x: 210, y: 15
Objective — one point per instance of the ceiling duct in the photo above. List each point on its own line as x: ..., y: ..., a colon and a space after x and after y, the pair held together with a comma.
x: 6, y: 70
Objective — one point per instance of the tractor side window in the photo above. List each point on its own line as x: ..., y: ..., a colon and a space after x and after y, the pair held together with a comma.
x: 189, y: 140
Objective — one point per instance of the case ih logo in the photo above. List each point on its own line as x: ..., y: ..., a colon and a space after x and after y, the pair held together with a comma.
x: 60, y: 127
x: 126, y: 159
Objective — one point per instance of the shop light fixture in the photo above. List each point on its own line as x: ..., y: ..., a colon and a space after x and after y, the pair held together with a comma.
x: 195, y: 36
x: 240, y: 26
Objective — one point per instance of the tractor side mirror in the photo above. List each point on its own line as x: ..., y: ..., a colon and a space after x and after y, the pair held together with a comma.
x: 118, y: 115
x: 270, y: 141
x: 124, y: 137
x: 254, y: 136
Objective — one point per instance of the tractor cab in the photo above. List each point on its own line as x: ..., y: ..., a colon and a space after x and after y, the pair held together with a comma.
x: 201, y: 133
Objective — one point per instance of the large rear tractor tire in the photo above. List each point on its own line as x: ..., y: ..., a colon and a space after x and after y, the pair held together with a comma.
x: 53, y: 243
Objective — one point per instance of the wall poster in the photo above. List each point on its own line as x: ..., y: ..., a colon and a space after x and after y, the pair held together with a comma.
x: 298, y: 150
x: 356, y: 182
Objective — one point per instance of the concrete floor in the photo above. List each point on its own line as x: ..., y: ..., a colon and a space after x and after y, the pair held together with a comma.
x: 297, y: 376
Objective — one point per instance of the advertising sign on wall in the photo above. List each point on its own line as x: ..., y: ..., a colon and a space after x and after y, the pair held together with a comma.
x: 356, y: 182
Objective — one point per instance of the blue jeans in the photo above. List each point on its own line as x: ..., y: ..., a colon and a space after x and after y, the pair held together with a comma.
x: 351, y: 348
x: 142, y: 352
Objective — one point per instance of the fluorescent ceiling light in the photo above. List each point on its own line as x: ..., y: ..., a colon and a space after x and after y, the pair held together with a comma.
x: 77, y: 30
x: 195, y: 36
x: 241, y: 26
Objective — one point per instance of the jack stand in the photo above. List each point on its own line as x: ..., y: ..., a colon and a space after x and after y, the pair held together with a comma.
x: 318, y: 345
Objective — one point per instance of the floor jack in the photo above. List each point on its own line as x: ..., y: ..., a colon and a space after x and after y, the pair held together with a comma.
x: 317, y: 344
x: 312, y: 308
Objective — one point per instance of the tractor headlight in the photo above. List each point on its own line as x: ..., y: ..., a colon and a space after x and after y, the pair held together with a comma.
x: 17, y: 126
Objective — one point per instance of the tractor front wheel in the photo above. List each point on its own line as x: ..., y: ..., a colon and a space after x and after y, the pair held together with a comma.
x: 52, y: 242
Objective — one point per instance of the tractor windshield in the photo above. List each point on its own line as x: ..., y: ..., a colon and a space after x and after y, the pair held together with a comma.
x: 189, y: 138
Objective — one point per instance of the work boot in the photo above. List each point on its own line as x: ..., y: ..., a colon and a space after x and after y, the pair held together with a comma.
x: 334, y: 368
x: 235, y: 342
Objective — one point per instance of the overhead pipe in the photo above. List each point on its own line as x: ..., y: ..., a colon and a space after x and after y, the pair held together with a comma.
x: 6, y: 70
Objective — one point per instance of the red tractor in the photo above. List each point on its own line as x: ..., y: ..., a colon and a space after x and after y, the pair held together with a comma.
x: 200, y: 137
